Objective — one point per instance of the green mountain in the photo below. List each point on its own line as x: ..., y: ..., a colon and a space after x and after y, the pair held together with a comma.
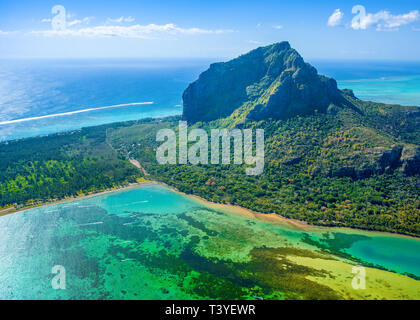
x: 274, y: 82
x: 268, y: 82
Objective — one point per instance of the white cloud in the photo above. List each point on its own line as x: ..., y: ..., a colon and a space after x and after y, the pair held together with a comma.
x: 74, y: 22
x: 3, y: 32
x: 121, y: 19
x: 278, y: 27
x: 336, y: 18
x: 384, y: 20
x: 149, y: 31
x: 416, y: 29
x: 255, y: 42
x: 70, y: 23
x: 85, y: 20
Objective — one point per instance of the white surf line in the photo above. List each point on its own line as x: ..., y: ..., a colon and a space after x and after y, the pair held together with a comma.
x: 89, y: 224
x: 74, y: 112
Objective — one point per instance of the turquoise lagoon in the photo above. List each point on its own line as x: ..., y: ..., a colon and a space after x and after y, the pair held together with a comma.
x: 150, y: 242
x: 393, y: 82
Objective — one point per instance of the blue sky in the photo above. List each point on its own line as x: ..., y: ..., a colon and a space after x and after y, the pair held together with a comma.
x: 387, y: 30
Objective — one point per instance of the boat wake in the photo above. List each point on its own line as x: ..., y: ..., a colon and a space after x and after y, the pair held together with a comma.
x: 75, y: 112
x: 90, y: 224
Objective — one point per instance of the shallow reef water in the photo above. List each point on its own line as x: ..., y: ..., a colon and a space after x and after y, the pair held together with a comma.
x: 153, y: 243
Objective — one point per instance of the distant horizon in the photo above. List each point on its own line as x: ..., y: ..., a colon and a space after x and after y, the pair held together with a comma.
x: 216, y: 59
x: 210, y: 58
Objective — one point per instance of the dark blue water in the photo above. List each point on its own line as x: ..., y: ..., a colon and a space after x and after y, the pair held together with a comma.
x: 33, y: 88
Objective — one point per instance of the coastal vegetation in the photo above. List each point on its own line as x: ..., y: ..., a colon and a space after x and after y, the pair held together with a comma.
x: 292, y: 184
x: 38, y: 170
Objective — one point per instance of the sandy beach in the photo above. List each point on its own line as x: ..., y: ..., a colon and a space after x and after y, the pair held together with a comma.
x: 12, y: 210
x: 268, y: 217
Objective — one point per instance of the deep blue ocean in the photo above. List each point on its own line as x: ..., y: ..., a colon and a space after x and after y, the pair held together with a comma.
x: 34, y: 88
x: 37, y: 88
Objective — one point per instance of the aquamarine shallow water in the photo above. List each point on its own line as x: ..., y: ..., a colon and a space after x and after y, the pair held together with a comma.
x: 136, y: 244
x: 397, y: 253
x: 381, y: 250
x: 392, y: 90
x: 393, y: 82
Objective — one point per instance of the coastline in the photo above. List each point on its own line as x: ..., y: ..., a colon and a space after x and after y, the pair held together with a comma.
x: 12, y: 210
x: 279, y: 219
x: 338, y: 266
x: 234, y: 209
x: 274, y: 218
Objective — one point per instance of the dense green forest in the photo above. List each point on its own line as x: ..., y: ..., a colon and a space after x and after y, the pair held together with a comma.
x: 37, y: 170
x: 302, y: 155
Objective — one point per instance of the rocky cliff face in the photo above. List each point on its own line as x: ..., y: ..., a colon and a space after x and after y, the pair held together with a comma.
x: 268, y: 82
x: 384, y: 162
x: 411, y: 162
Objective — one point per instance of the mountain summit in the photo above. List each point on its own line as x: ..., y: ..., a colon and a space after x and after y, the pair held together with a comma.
x: 268, y: 82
